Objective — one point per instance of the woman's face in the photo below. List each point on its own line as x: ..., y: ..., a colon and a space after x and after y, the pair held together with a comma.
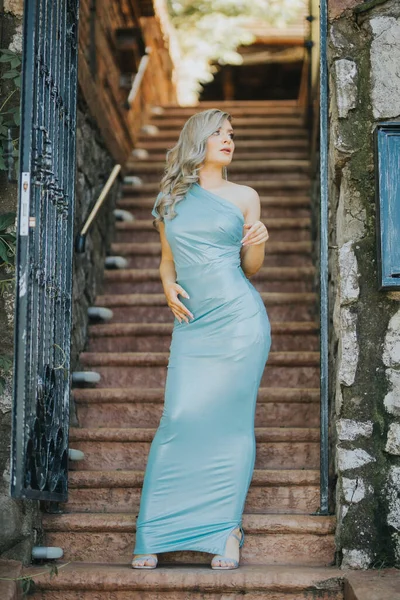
x: 220, y: 145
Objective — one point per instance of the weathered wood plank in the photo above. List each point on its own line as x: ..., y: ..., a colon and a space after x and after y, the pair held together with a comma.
x: 105, y: 97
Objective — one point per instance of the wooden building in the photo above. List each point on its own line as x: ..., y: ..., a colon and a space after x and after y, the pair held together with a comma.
x: 124, y: 67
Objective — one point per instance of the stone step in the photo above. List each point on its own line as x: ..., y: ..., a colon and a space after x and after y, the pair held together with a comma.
x: 136, y: 199
x: 274, y: 206
x: 285, y: 224
x: 134, y: 231
x: 246, y: 149
x: 242, y: 152
x: 148, y: 257
x: 285, y: 254
x: 267, y: 279
x: 235, y: 107
x: 245, y: 122
x: 271, y: 491
x: 160, y: 359
x: 112, y: 300
x: 143, y: 230
x: 10, y: 573
x: 156, y: 337
x: 242, y: 178
x: 154, y: 286
x: 94, y: 581
x: 108, y: 407
x: 165, y: 330
x: 143, y: 407
x: 249, y: 104
x: 296, y: 369
x: 265, y: 273
x: 281, y: 186
x: 270, y: 539
x: 125, y: 435
x: 152, y: 261
x: 125, y: 343
x: 372, y: 584
x: 303, y: 396
x: 108, y: 448
x: 280, y: 131
x: 293, y: 369
x: 163, y: 314
x: 153, y: 307
x: 255, y: 146
x: 154, y: 248
x: 237, y: 166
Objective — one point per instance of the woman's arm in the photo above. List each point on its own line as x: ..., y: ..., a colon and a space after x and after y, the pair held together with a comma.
x: 168, y: 279
x: 253, y: 249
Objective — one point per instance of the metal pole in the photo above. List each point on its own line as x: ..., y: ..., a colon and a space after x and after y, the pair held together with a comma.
x: 324, y: 306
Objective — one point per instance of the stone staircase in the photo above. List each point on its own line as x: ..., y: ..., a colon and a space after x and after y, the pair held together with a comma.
x: 289, y: 550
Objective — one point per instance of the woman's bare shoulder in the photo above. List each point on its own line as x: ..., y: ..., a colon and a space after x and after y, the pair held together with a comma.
x: 244, y: 193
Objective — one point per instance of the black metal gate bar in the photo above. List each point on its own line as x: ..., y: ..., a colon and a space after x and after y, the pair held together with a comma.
x: 39, y: 457
x: 324, y: 306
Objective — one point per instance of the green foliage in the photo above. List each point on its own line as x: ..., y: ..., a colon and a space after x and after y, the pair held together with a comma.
x: 8, y: 245
x: 209, y: 32
x: 10, y: 115
x: 27, y: 582
x: 6, y: 363
x: 8, y: 242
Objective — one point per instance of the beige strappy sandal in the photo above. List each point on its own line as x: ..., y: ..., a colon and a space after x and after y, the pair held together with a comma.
x: 219, y: 558
x: 145, y: 557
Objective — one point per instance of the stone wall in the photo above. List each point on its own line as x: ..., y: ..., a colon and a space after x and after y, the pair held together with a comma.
x: 94, y: 165
x: 364, y: 67
x: 20, y: 520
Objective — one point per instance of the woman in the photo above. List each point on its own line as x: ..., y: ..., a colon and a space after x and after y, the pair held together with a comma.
x: 202, y: 457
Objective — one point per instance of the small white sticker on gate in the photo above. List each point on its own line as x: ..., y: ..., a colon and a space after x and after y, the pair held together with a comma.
x: 24, y: 204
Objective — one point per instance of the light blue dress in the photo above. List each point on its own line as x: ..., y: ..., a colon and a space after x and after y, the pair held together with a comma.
x: 202, y: 457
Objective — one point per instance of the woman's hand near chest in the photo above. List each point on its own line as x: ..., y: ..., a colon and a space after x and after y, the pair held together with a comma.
x: 255, y: 233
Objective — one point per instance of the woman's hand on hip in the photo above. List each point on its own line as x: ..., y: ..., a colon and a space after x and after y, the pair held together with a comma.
x: 172, y: 290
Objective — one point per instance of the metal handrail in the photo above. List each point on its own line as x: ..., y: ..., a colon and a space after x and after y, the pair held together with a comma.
x: 324, y: 298
x: 81, y: 237
x: 315, y: 102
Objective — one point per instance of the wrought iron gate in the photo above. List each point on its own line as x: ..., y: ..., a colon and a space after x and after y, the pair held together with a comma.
x: 39, y: 457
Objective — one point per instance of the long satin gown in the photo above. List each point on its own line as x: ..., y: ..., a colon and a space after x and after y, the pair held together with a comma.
x: 201, y: 459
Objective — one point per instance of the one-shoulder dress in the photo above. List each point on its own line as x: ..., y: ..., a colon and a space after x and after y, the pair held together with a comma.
x: 202, y: 456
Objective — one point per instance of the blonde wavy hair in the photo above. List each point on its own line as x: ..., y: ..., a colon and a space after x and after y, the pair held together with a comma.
x: 184, y: 160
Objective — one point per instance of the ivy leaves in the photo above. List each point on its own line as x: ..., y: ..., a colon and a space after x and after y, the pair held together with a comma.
x: 7, y: 240
x: 7, y: 257
x: 10, y: 115
x: 9, y: 56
